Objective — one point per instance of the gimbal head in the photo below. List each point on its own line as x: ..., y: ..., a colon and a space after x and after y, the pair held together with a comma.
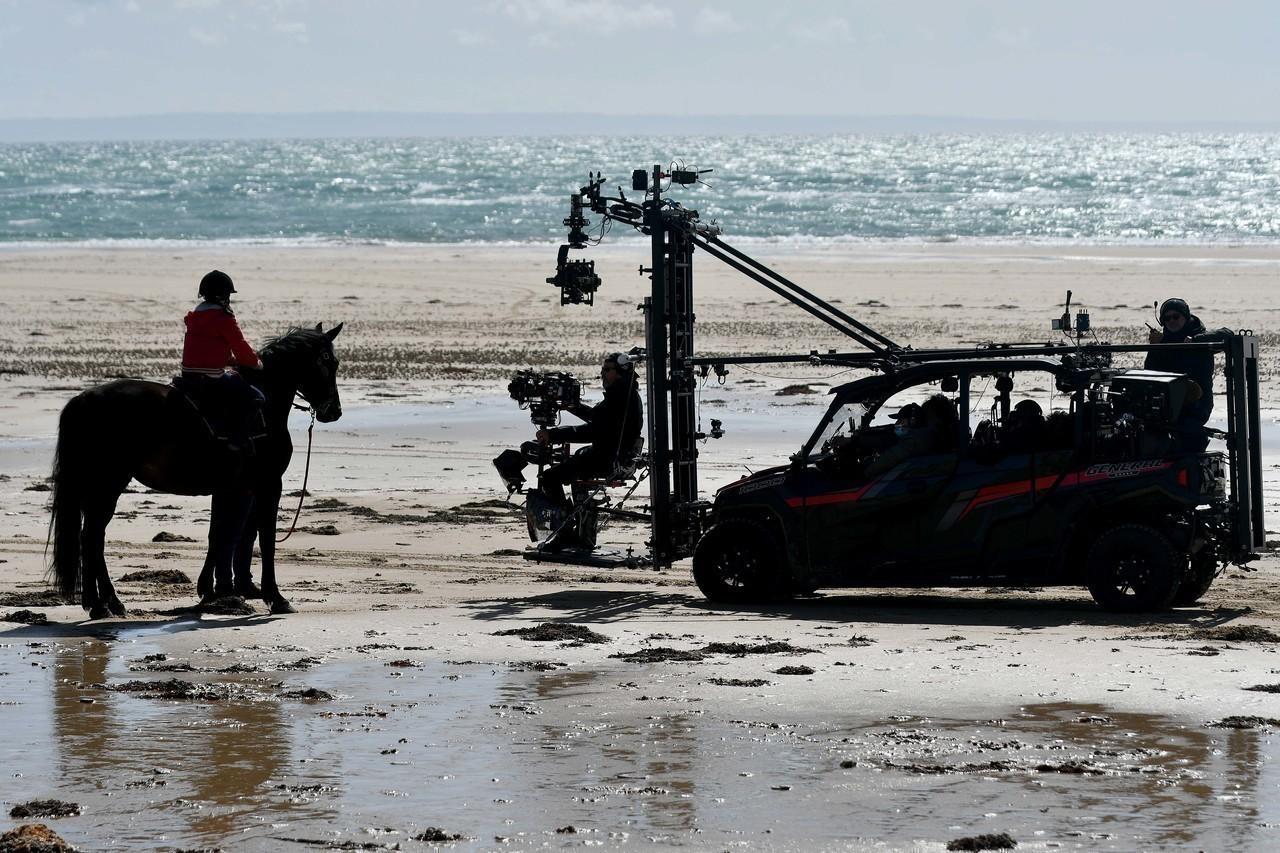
x: 576, y: 279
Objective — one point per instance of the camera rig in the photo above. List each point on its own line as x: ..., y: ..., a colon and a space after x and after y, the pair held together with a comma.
x: 545, y: 395
x: 676, y: 513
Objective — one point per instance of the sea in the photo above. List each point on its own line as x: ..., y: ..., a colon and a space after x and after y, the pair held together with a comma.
x: 1054, y: 188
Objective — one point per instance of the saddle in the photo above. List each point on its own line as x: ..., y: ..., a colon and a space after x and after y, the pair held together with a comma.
x: 223, y: 419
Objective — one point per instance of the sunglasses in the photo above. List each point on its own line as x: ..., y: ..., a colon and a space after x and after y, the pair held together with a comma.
x: 1169, y: 318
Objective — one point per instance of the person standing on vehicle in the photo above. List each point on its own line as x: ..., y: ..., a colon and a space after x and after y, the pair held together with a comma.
x: 1178, y: 325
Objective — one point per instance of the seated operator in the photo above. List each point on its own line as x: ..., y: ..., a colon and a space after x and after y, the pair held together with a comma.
x: 927, y: 428
x: 612, y: 427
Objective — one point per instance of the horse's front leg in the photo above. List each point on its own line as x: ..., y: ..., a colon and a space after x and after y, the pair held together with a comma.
x: 268, y: 506
x: 204, y: 586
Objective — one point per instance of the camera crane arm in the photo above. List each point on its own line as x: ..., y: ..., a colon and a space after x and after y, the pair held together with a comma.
x: 621, y: 209
x: 879, y: 344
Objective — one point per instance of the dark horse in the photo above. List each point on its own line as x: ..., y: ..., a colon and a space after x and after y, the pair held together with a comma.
x: 131, y: 429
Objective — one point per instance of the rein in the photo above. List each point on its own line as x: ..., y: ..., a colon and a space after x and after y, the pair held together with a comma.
x: 306, y: 471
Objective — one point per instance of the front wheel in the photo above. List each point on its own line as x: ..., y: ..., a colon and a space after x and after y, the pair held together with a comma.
x: 739, y: 561
x: 1133, y: 568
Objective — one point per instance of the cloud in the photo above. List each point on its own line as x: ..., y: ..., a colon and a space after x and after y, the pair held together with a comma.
x: 1012, y: 38
x: 543, y: 40
x: 195, y: 4
x: 206, y: 37
x: 468, y: 38
x: 827, y: 30
x: 296, y: 30
x: 605, y: 16
x: 715, y: 21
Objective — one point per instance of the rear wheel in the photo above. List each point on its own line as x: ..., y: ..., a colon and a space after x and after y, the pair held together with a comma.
x: 1133, y: 568
x: 1196, y: 582
x: 739, y: 560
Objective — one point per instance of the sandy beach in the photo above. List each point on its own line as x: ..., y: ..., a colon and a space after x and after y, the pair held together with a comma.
x: 393, y: 710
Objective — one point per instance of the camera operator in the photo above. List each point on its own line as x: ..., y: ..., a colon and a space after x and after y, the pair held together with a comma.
x: 612, y: 428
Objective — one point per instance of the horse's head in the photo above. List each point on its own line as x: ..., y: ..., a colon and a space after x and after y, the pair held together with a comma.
x: 308, y: 356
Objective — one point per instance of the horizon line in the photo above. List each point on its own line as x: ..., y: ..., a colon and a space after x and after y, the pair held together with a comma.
x: 383, y: 123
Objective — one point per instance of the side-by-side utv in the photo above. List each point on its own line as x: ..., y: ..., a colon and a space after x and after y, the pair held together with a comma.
x: 1102, y: 492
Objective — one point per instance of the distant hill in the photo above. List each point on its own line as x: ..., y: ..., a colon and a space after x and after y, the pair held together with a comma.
x: 388, y: 124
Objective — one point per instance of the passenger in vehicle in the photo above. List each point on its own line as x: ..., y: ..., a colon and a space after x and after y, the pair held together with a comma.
x: 1024, y: 429
x: 1059, y: 431
x: 928, y: 428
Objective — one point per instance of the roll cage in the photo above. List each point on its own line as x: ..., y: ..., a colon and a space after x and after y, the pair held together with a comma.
x: 873, y: 391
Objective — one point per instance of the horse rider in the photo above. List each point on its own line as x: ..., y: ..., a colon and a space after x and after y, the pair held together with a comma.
x: 214, y: 347
x: 211, y: 353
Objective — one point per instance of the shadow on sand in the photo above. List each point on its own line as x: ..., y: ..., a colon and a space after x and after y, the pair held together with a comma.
x: 172, y: 621
x: 888, y: 607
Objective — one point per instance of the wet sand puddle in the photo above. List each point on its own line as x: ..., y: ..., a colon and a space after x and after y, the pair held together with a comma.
x: 535, y: 754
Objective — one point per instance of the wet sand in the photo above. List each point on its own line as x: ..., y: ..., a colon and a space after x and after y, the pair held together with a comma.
x: 390, y: 705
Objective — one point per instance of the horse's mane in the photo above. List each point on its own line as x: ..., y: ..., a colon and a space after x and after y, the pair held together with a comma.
x: 295, y: 340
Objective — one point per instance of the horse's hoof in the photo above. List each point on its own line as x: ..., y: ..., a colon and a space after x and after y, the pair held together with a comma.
x: 99, y: 611
x: 116, y: 606
x: 282, y: 606
x: 226, y: 604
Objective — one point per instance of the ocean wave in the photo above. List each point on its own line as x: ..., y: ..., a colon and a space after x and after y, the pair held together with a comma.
x: 1099, y: 189
x: 449, y: 201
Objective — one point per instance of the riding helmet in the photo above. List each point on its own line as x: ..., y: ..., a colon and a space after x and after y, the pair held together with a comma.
x: 216, y: 285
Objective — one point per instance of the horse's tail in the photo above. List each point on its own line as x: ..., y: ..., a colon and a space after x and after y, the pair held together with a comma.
x: 70, y: 470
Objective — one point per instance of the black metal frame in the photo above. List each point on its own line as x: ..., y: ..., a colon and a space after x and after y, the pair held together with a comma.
x: 676, y: 512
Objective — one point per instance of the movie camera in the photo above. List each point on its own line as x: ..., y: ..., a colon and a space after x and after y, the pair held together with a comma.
x: 576, y: 279
x: 545, y: 395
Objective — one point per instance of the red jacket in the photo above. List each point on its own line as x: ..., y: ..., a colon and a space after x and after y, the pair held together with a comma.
x: 214, y: 341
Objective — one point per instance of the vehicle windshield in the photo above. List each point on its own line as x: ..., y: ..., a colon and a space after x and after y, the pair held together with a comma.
x: 845, y: 421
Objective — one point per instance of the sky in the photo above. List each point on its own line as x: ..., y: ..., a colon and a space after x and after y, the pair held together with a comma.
x: 1055, y: 60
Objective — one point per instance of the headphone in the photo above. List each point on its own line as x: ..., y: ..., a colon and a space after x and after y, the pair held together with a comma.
x: 625, y: 361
